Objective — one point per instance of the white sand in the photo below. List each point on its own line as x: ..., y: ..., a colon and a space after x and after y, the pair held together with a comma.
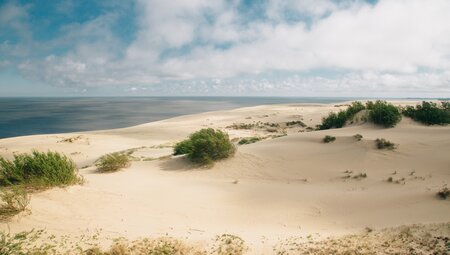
x: 287, y: 186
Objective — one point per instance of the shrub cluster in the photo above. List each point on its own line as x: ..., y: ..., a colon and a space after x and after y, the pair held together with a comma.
x: 385, y: 114
x: 329, y: 139
x: 39, y: 169
x: 338, y: 120
x: 112, y: 162
x: 205, y: 146
x: 429, y: 113
x: 384, y: 144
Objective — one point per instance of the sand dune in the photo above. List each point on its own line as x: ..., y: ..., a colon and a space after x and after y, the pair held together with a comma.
x: 280, y: 187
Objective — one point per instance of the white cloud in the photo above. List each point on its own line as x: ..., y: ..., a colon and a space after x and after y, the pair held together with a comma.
x: 387, y: 45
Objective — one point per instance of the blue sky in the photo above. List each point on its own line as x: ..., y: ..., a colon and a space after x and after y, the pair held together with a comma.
x: 387, y: 48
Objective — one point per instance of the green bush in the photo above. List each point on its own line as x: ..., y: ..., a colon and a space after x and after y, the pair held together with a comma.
x: 384, y: 144
x: 38, y: 169
x: 329, y: 139
x: 429, y: 113
x: 385, y: 114
x: 112, y: 162
x: 333, y: 120
x: 206, y: 145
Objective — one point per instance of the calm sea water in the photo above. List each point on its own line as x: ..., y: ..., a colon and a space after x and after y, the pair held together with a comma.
x: 29, y: 116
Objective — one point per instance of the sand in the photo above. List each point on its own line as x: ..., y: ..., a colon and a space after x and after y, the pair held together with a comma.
x: 288, y: 185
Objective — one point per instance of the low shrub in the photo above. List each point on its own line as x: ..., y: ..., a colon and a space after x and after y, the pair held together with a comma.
x: 206, y: 146
x: 385, y: 114
x: 38, y: 169
x: 333, y: 120
x: 429, y: 113
x: 444, y: 193
x: 384, y: 144
x: 249, y: 140
x: 329, y: 139
x: 112, y: 162
x: 358, y: 137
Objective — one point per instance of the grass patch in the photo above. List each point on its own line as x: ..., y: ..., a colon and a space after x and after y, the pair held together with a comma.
x: 249, y: 140
x: 38, y: 170
x: 385, y: 114
x: 429, y: 113
x: 329, y: 139
x: 112, y: 162
x: 358, y: 137
x: 206, y: 146
x: 384, y: 144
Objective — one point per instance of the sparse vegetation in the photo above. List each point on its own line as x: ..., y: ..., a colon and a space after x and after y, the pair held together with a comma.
x: 355, y: 176
x: 242, y: 126
x: 384, y: 144
x: 38, y: 242
x: 38, y: 170
x: 227, y: 244
x: 15, y: 200
x: 329, y: 139
x: 444, y: 193
x: 396, y: 181
x: 358, y: 137
x: 385, y: 114
x: 249, y: 140
x: 207, y: 145
x: 429, y: 113
x: 112, y: 162
x: 296, y: 122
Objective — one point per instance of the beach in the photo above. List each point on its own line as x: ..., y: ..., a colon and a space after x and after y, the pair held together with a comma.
x: 289, y: 184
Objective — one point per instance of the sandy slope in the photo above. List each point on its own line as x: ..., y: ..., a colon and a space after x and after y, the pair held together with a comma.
x: 271, y: 190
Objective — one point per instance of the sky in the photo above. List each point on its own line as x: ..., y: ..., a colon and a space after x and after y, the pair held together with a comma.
x: 347, y: 48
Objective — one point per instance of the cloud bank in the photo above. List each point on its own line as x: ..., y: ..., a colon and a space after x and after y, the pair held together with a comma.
x: 322, y: 47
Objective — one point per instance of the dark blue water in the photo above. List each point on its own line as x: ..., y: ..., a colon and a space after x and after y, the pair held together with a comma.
x: 29, y: 116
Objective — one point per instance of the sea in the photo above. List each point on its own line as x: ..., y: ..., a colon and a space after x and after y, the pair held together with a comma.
x: 30, y: 116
